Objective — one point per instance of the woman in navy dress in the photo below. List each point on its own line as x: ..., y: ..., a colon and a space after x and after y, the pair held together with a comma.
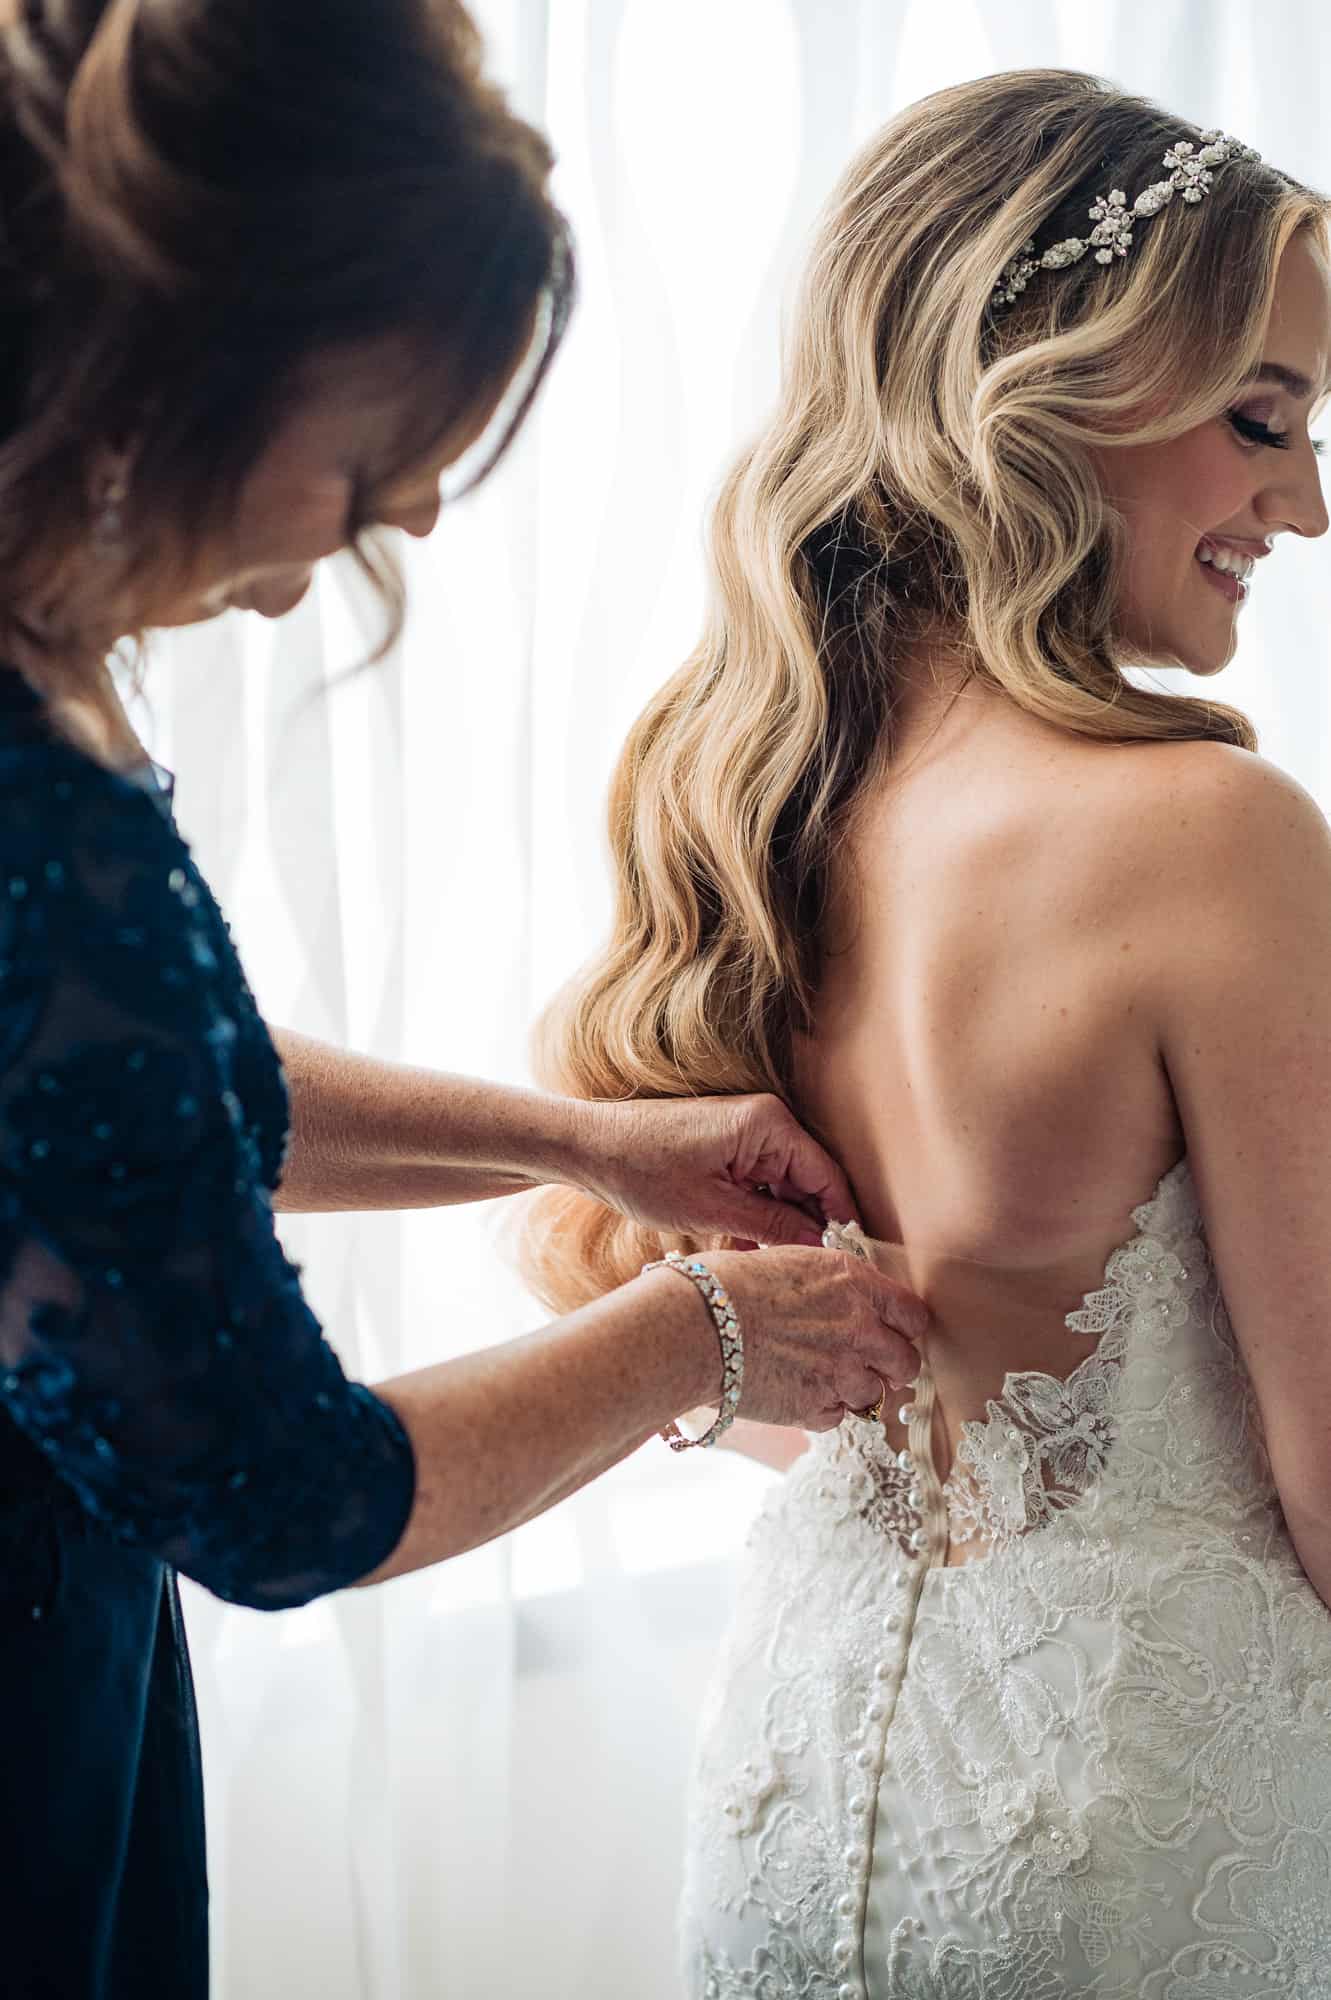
x: 266, y: 268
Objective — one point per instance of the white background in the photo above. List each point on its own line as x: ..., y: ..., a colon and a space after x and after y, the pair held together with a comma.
x: 471, y: 1782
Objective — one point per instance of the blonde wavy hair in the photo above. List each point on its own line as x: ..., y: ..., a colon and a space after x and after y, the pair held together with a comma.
x: 930, y: 465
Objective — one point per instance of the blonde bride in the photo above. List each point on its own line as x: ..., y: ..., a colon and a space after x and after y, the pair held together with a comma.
x: 1028, y: 1687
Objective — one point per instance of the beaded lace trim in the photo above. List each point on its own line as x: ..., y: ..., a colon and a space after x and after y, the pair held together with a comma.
x: 1045, y: 1439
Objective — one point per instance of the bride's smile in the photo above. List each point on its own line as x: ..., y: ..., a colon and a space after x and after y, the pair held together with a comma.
x: 1042, y: 952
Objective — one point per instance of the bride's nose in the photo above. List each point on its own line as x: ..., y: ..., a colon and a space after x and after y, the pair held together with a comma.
x: 1295, y: 500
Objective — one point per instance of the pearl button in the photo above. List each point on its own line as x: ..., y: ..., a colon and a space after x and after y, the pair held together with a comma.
x: 846, y: 1906
x: 865, y: 1759
x: 884, y: 1670
x: 855, y: 1857
x: 892, y: 1623
x: 915, y: 1498
x: 848, y: 1992
x: 905, y: 1413
x: 905, y: 1461
x: 844, y: 1950
x: 918, y: 1539
x: 897, y: 1578
x: 875, y: 1711
x: 857, y: 1805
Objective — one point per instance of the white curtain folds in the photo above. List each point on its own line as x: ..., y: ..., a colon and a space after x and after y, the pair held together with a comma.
x: 471, y: 1783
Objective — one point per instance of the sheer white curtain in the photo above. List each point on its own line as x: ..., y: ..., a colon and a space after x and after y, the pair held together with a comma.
x: 471, y: 1783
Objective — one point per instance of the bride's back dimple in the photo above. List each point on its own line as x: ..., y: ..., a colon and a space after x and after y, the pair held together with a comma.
x: 984, y: 1059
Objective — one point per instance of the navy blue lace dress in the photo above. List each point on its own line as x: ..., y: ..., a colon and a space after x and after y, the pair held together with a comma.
x: 167, y: 1401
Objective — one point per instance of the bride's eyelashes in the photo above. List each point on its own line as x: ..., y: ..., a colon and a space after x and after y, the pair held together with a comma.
x: 1253, y: 431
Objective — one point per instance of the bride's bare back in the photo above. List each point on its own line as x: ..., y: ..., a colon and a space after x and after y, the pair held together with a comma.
x: 986, y: 1060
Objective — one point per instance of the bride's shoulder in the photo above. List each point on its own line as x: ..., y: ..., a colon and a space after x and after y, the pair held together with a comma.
x: 1198, y: 770
x: 1211, y: 821
x: 1217, y: 868
x: 1229, y: 802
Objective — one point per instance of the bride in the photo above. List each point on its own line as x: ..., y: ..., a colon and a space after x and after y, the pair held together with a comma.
x: 1028, y: 1690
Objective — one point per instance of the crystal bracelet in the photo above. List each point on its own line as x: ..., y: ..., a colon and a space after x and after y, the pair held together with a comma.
x: 732, y: 1346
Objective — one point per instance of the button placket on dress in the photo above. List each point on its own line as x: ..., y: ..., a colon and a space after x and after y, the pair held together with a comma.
x: 922, y: 1548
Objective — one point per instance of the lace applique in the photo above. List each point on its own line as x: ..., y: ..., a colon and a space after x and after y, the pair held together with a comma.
x: 1040, y: 1447
x: 1096, y: 1761
x: 1032, y: 1814
x: 905, y: 1500
x: 948, y: 1971
x: 1283, y: 1900
x: 880, y: 1486
x: 1045, y: 1441
x: 778, y: 1971
x: 744, y: 1798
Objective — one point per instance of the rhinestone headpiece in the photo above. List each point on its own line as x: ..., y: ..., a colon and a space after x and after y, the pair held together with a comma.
x: 1191, y: 169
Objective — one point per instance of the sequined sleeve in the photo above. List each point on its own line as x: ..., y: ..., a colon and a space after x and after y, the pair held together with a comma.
x: 154, y: 1342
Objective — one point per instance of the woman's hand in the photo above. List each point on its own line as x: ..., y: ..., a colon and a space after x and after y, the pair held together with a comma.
x: 502, y: 1434
x: 712, y: 1166
x: 824, y: 1332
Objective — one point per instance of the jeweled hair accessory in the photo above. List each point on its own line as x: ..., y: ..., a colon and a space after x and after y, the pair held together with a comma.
x: 1191, y: 170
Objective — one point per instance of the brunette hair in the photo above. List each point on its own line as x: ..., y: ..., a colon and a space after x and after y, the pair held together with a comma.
x: 196, y: 198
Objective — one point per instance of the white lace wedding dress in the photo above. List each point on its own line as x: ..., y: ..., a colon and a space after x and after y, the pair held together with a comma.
x: 1095, y: 1759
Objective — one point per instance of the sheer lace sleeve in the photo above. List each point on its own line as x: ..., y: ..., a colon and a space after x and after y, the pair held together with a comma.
x: 154, y: 1342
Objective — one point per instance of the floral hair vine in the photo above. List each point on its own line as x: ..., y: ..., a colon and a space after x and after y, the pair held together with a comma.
x: 1191, y: 171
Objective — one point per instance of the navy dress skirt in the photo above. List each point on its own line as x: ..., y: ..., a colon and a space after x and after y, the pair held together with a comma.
x: 167, y: 1400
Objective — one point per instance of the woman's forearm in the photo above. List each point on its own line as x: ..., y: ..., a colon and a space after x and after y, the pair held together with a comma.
x: 501, y: 1435
x: 367, y: 1134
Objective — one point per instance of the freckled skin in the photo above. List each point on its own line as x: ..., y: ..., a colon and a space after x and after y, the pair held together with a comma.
x: 984, y: 1056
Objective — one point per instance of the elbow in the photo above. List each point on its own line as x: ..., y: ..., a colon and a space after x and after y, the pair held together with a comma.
x: 314, y: 1521
x: 284, y: 1526
x: 249, y: 1564
x: 238, y: 1578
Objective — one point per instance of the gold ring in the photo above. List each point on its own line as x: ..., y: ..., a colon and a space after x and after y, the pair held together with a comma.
x: 875, y: 1410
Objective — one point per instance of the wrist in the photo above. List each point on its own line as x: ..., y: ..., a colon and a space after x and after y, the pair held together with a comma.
x: 678, y: 1314
x: 575, y: 1140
